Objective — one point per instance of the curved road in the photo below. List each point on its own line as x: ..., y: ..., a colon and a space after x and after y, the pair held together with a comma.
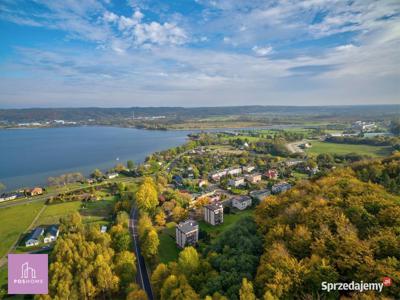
x: 142, y: 277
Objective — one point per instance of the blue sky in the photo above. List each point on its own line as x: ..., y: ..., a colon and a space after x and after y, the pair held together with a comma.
x: 198, y: 52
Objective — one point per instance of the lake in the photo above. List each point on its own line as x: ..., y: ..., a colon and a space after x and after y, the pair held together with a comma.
x: 29, y: 156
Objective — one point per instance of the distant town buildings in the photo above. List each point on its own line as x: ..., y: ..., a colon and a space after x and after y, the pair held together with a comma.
x: 112, y: 175
x: 272, y: 174
x: 280, y: 187
x: 293, y: 162
x: 34, y: 192
x: 260, y: 195
x: 216, y: 176
x: 248, y: 169
x: 241, y: 202
x: 214, y: 213
x: 253, y: 178
x: 363, y: 126
x: 236, y: 182
x: 8, y: 196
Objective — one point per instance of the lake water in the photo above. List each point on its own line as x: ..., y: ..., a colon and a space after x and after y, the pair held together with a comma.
x: 29, y: 156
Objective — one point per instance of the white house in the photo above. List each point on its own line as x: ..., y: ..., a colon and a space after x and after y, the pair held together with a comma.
x: 235, y: 182
x: 241, y: 202
x: 112, y: 175
x: 7, y: 197
x: 234, y: 171
x: 103, y: 229
x: 218, y: 175
x: 248, y: 169
x: 187, y: 233
x: 51, y: 234
x: 214, y: 213
x: 34, y: 238
x: 253, y: 178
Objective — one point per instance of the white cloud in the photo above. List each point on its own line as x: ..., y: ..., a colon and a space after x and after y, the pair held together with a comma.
x: 160, y: 34
x: 366, y: 65
x: 262, y: 51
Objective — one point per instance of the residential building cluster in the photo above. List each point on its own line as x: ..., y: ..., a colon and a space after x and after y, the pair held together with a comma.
x: 42, y: 235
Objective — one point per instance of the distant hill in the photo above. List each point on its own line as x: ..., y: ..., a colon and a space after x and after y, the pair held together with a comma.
x: 96, y: 113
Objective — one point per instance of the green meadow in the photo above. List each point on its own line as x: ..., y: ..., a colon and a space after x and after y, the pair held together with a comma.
x: 334, y: 148
x: 15, y: 221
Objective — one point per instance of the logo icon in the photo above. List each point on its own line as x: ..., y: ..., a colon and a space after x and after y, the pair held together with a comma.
x: 387, y: 281
x: 28, y: 274
x: 26, y: 271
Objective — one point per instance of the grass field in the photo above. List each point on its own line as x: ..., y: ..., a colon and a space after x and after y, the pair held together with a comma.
x: 333, y: 148
x: 93, y: 211
x: 167, y: 250
x: 15, y: 220
x: 54, y: 212
x: 229, y: 220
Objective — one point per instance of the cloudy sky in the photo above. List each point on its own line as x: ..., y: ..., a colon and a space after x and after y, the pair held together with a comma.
x: 198, y: 52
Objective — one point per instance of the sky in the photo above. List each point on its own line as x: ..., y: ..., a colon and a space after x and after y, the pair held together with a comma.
x: 76, y: 53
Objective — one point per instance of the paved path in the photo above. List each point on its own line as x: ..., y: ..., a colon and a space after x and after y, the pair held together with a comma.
x: 142, y: 275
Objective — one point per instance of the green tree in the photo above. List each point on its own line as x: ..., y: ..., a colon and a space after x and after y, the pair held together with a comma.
x: 2, y: 186
x: 71, y: 223
x: 122, y: 219
x: 150, y: 244
x: 246, y: 292
x: 125, y: 268
x: 121, y: 238
x: 97, y: 174
x: 130, y: 164
x: 144, y: 225
x: 177, y: 288
x: 107, y: 282
x: 160, y: 218
x: 147, y: 196
x: 158, y: 277
x: 188, y: 261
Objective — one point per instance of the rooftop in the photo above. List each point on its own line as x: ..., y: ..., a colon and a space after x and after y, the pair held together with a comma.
x: 36, y: 233
x: 52, y: 230
x: 188, y: 226
x: 242, y: 198
x: 213, y: 206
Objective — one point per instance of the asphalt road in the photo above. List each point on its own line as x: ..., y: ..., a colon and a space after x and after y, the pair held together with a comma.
x: 142, y: 277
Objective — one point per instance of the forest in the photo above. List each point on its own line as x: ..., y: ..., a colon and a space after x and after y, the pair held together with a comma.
x: 336, y: 229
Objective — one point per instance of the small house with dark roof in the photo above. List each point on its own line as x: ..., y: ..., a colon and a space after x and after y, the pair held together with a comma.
x: 187, y: 233
x: 34, y: 238
x: 51, y: 234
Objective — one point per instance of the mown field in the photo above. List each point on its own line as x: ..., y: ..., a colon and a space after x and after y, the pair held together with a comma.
x: 229, y: 220
x: 167, y: 250
x: 14, y: 221
x: 92, y: 211
x: 334, y: 148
